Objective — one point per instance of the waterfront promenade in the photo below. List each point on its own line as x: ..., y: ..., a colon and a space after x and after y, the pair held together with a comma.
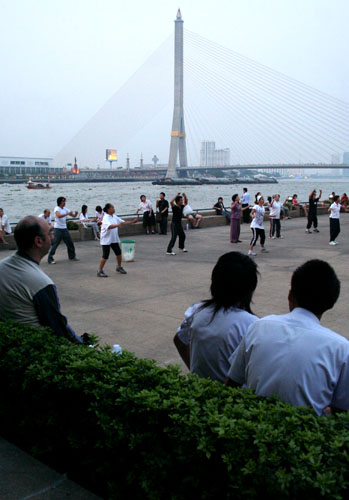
x: 142, y: 310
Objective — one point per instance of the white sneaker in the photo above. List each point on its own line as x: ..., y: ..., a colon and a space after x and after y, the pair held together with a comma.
x: 333, y: 243
x: 273, y: 237
x: 170, y: 253
x: 251, y: 253
x: 183, y: 250
x: 264, y: 250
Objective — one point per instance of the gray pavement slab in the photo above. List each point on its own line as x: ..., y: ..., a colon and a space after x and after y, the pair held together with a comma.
x: 23, y: 478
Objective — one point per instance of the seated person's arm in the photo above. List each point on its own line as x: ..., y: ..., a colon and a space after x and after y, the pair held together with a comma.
x: 48, y: 309
x: 183, y: 350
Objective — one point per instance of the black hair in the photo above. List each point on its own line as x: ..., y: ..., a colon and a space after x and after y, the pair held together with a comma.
x: 25, y: 232
x: 234, y: 279
x: 141, y: 196
x: 234, y: 196
x: 315, y: 286
x: 220, y: 198
x: 179, y: 197
x: 83, y: 209
x: 163, y: 194
x: 107, y: 206
x: 60, y: 199
x: 98, y: 208
x: 245, y: 189
x: 257, y: 194
x: 335, y: 198
x: 270, y: 199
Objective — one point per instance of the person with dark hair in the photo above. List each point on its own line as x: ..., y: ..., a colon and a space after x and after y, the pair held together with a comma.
x: 213, y: 328
x: 335, y: 227
x: 110, y: 239
x: 61, y: 231
x: 221, y: 210
x: 257, y: 227
x: 235, y: 218
x: 245, y: 203
x: 99, y: 215
x: 89, y: 222
x: 162, y: 206
x: 148, y: 215
x: 312, y: 211
x: 5, y: 227
x: 28, y: 295
x: 274, y: 215
x: 177, y: 205
x: 291, y: 355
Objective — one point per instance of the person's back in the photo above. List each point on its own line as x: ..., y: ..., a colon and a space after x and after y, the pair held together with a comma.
x: 294, y: 357
x: 214, y: 340
x: 20, y: 280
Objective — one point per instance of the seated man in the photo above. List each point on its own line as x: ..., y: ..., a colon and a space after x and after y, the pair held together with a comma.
x: 291, y: 355
x: 5, y: 227
x: 221, y: 210
x: 28, y: 295
x: 188, y: 212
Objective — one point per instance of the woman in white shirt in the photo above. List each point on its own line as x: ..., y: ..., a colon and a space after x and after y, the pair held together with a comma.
x: 335, y: 228
x: 110, y: 239
x: 257, y: 214
x: 89, y: 222
x: 148, y: 216
x: 213, y: 328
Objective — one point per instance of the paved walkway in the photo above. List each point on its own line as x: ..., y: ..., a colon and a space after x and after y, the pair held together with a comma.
x: 142, y: 310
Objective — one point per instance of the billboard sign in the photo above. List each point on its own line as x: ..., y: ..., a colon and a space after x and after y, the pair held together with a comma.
x: 111, y: 155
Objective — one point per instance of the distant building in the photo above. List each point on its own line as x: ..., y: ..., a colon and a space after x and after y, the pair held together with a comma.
x: 212, y: 157
x: 222, y: 157
x: 345, y: 158
x: 21, y: 165
x: 207, y: 154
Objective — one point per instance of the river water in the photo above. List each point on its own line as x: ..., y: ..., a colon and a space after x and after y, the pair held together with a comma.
x: 17, y: 200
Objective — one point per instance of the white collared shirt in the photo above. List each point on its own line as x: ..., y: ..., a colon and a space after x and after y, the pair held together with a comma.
x: 213, y: 342
x: 47, y: 219
x: 245, y: 199
x: 335, y: 210
x: 295, y: 358
x: 145, y: 206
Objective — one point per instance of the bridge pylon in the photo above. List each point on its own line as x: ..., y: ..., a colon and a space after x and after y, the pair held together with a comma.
x: 178, y: 145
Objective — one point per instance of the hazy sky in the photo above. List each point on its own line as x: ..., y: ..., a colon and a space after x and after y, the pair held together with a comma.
x: 61, y: 60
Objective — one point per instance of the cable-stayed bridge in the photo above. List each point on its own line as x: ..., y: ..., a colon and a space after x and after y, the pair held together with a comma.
x: 265, y: 119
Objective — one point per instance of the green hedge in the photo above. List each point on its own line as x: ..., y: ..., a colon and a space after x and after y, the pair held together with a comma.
x: 125, y: 427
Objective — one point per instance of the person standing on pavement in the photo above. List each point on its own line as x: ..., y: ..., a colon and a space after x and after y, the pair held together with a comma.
x: 110, y: 239
x: 176, y: 225
x: 335, y: 228
x: 61, y: 231
x: 257, y: 227
x: 245, y: 202
x: 235, y: 219
x: 162, y: 206
x: 275, y: 214
x: 312, y: 211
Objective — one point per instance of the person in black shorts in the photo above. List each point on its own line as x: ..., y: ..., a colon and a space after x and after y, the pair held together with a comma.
x: 312, y: 211
x: 176, y: 226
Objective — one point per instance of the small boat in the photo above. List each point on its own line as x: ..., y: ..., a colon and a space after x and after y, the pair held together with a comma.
x: 37, y: 185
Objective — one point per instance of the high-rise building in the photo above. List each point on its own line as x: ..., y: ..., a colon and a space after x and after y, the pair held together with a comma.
x: 207, y: 154
x: 222, y: 157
